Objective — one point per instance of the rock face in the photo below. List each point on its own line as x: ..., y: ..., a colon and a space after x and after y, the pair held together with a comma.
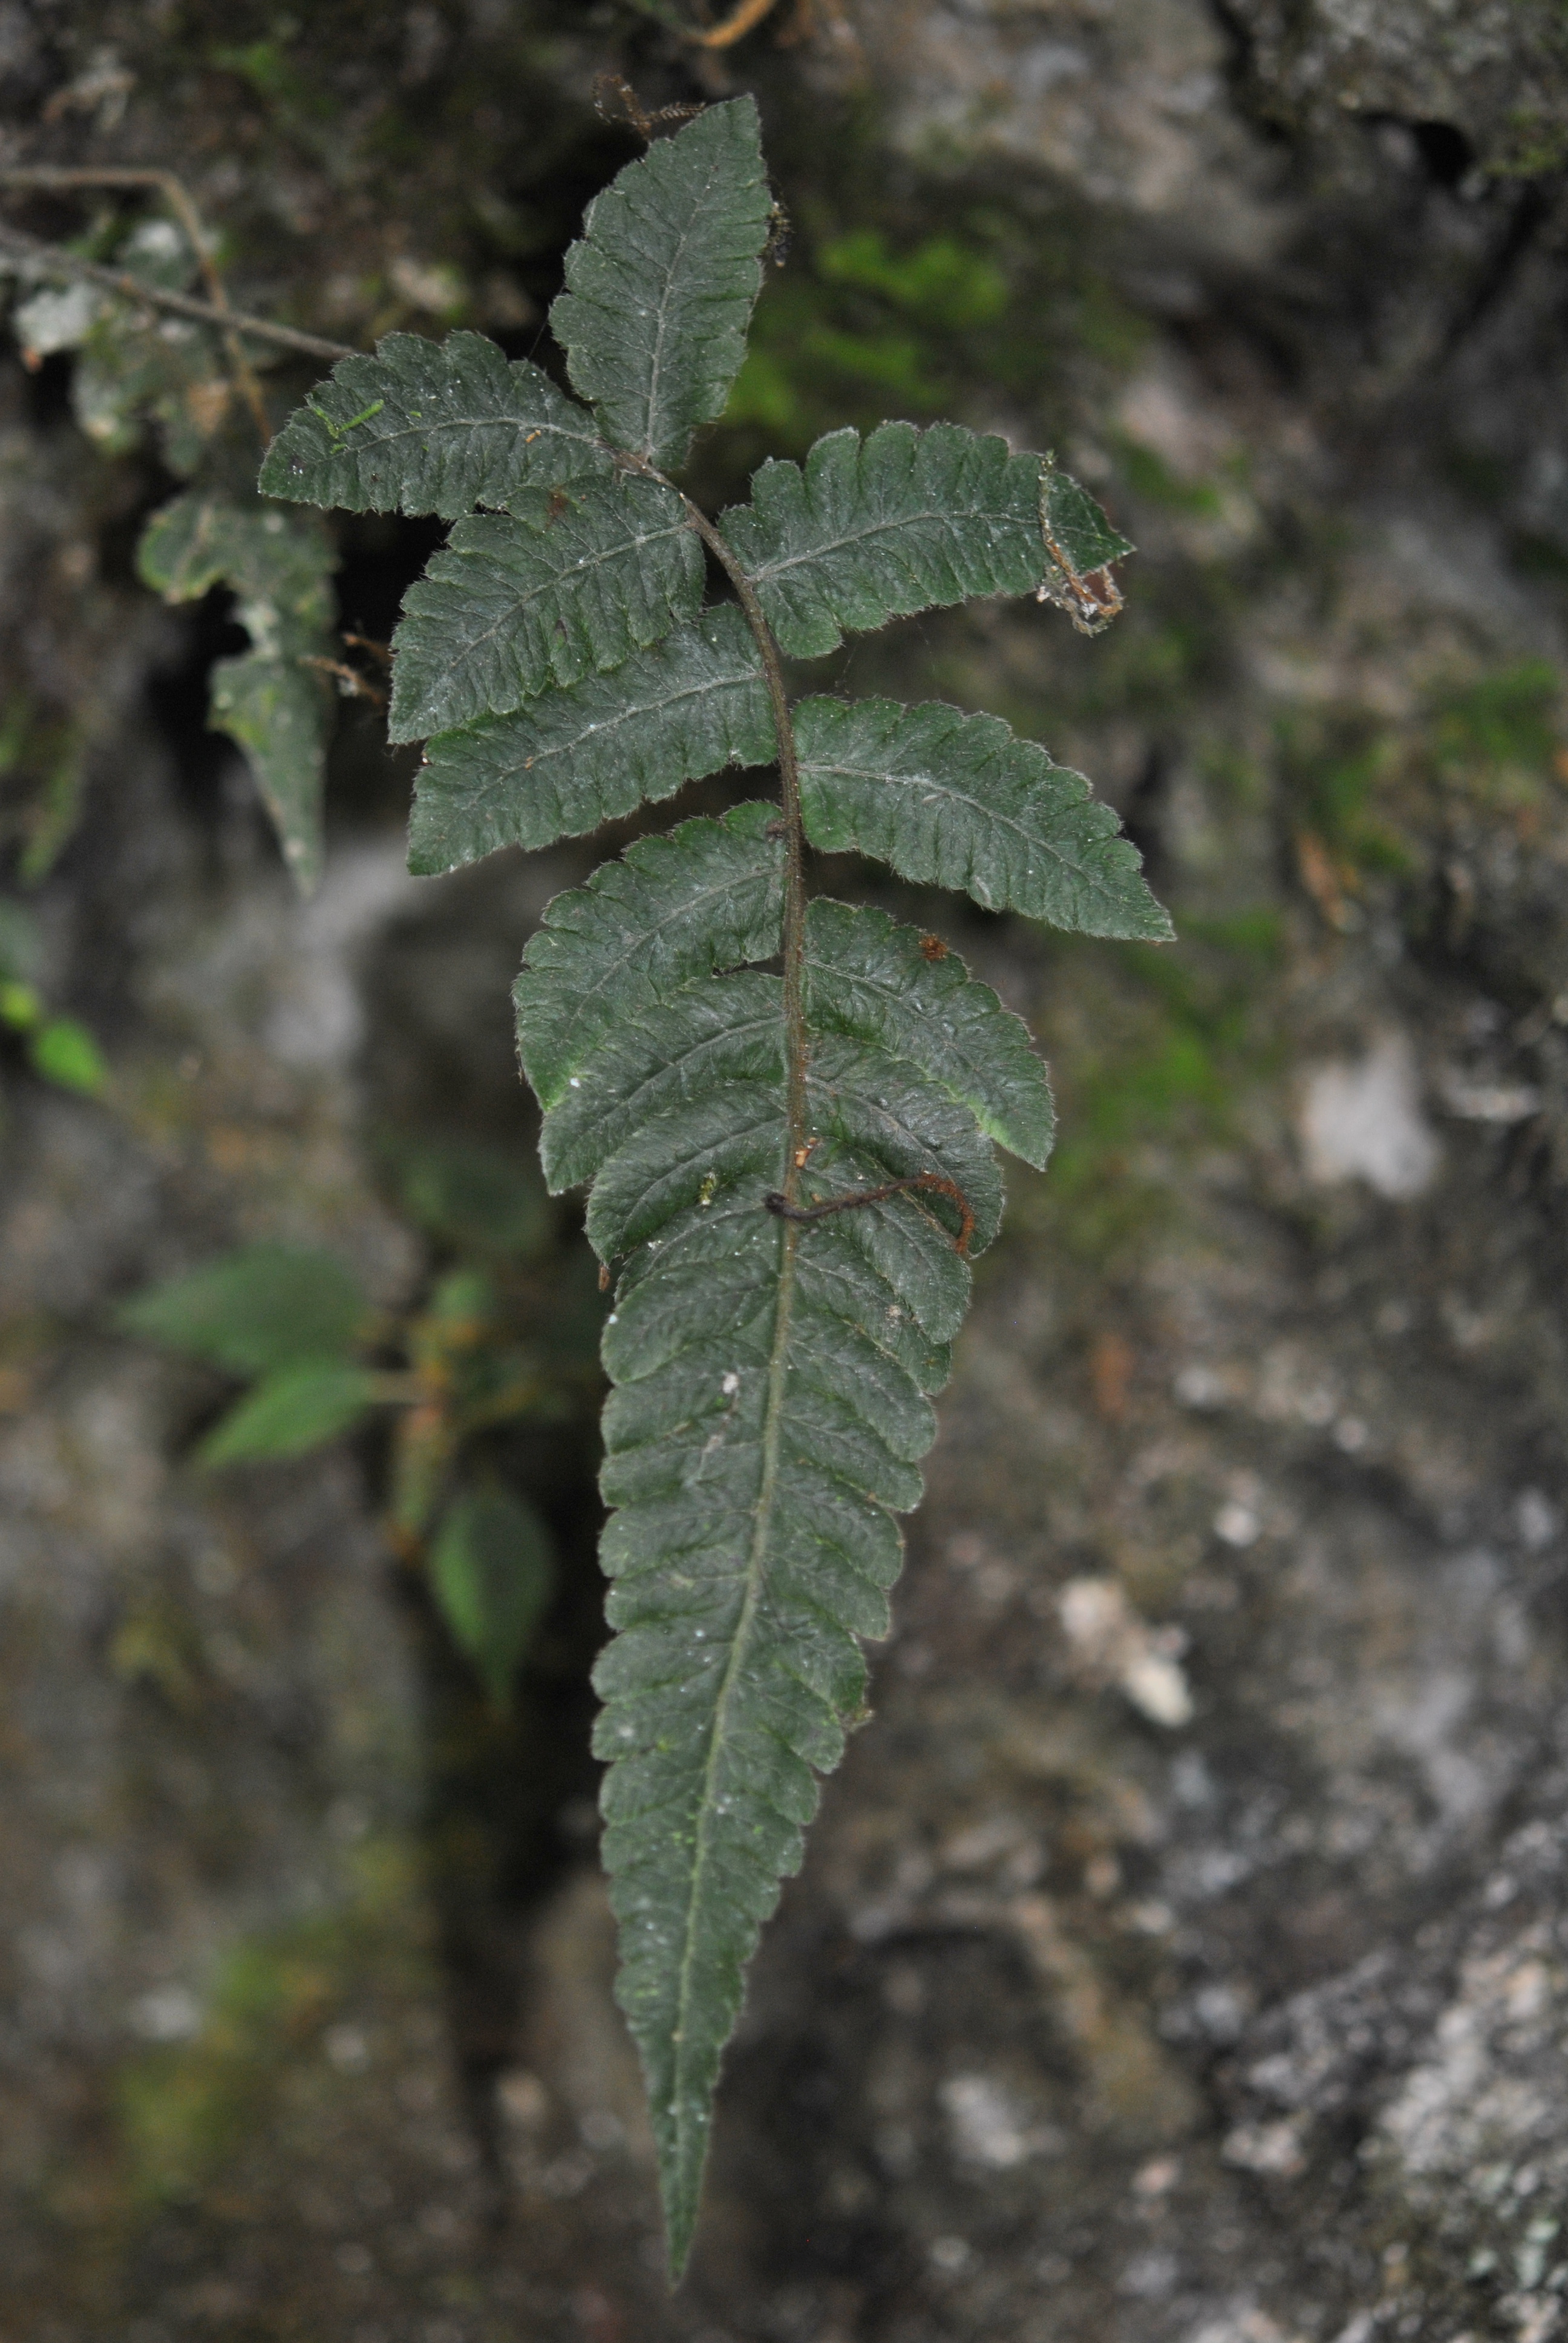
x: 1182, y: 1951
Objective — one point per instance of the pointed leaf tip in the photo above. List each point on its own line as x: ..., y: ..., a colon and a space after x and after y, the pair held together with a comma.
x: 962, y: 801
x: 660, y: 286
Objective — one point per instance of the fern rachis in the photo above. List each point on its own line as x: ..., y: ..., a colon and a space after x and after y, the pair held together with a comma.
x: 788, y: 1170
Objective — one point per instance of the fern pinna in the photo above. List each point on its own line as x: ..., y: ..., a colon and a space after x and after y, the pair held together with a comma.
x: 783, y: 1108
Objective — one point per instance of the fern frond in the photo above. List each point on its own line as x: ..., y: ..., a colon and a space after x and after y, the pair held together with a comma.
x: 960, y: 800
x: 660, y: 290
x: 905, y: 520
x: 790, y: 1169
x: 658, y: 1060
x: 707, y: 897
x: 561, y: 585
x: 420, y: 428
x: 569, y: 760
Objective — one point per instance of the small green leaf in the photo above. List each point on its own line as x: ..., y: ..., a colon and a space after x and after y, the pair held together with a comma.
x: 493, y: 1571
x: 292, y: 1411
x: 265, y: 1307
x: 960, y: 800
x: 561, y: 586
x: 20, y: 1006
x: 660, y: 288
x: 284, y: 559
x: 569, y: 760
x: 65, y: 1052
x: 427, y: 428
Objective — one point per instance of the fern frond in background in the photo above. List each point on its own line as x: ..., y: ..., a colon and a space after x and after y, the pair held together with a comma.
x: 137, y: 371
x: 784, y: 1109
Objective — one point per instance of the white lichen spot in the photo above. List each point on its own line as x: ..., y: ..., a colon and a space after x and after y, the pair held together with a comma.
x: 170, y: 2013
x: 1364, y: 1121
x: 1113, y: 1646
x: 985, y: 2126
x: 1272, y: 2147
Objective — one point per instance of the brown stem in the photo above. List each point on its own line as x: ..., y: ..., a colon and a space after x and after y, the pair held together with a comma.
x: 349, y: 677
x: 735, y: 27
x: 52, y: 260
x: 794, y: 937
x: 784, y: 1210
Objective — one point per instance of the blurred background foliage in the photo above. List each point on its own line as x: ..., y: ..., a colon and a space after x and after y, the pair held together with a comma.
x: 505, y: 1336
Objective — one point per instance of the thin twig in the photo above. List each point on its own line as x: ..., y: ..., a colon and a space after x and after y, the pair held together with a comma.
x: 354, y: 684
x: 383, y: 651
x: 784, y: 1210
x: 611, y: 84
x: 52, y: 260
x: 178, y: 195
x: 735, y: 27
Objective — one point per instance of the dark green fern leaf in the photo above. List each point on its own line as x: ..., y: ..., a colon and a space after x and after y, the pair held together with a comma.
x: 788, y: 1165
x: 428, y: 428
x: 908, y: 995
x: 560, y: 586
x: 961, y: 801
x: 869, y: 531
x: 707, y: 897
x: 569, y: 760
x: 660, y: 290
x: 770, y: 1410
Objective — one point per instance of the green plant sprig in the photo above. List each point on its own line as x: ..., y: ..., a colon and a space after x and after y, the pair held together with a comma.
x: 787, y: 1172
